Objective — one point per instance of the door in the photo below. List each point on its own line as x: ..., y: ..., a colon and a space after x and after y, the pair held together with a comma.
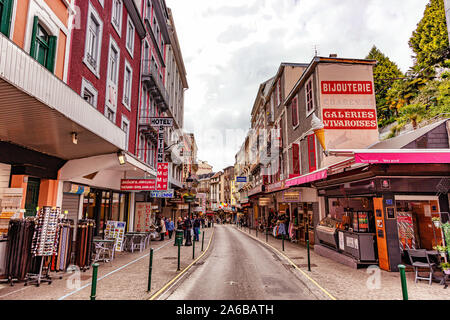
x: 380, y: 226
x: 32, y: 197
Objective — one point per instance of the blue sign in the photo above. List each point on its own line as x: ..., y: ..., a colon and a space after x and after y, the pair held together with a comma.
x: 162, y: 194
x: 241, y: 179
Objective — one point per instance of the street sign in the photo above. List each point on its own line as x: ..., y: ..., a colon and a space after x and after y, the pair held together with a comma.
x: 137, y: 184
x: 162, y: 177
x: 162, y: 194
x: 241, y: 179
x: 161, y: 122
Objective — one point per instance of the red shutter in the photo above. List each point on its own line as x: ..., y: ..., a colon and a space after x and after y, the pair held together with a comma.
x: 312, y: 153
x: 295, y: 159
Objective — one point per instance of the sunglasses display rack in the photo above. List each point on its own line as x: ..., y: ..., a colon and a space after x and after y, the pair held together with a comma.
x: 83, y: 249
x: 18, y: 254
x: 45, y: 243
x: 61, y: 260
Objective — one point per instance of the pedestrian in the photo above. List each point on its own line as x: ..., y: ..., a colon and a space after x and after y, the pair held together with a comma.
x: 163, y: 229
x: 188, y: 227
x: 196, y: 229
x: 170, y: 227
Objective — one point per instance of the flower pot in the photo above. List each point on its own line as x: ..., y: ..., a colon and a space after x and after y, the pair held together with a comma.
x: 437, y: 224
x: 442, y: 253
x: 446, y: 271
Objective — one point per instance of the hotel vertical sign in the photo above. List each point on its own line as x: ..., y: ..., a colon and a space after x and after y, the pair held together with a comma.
x: 162, y: 177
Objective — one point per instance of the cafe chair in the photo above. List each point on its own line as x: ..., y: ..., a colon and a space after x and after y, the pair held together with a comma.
x: 417, y: 258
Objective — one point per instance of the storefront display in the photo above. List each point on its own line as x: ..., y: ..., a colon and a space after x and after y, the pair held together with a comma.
x: 61, y: 260
x: 10, y: 202
x: 83, y: 249
x: 116, y: 230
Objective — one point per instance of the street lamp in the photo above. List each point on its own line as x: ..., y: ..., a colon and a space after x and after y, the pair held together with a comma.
x: 189, y: 198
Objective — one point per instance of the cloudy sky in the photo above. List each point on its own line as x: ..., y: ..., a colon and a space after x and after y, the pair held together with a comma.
x: 231, y: 46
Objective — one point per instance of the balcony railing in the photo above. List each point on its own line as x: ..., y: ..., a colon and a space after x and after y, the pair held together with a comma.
x: 150, y: 76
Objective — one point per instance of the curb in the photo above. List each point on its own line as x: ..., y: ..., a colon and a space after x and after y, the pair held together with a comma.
x: 164, y: 288
x: 292, y: 263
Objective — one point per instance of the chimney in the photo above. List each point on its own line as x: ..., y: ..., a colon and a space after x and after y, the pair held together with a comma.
x: 333, y: 55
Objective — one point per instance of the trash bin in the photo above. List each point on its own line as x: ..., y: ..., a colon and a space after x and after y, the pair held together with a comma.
x: 178, y: 237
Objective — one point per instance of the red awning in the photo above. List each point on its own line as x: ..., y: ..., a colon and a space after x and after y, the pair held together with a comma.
x: 310, y: 177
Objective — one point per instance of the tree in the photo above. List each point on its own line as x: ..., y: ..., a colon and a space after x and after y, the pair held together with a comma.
x: 384, y: 73
x: 430, y: 41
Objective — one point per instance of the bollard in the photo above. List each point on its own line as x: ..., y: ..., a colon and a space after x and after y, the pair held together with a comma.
x: 150, y: 267
x: 309, y: 259
x: 179, y: 249
x: 257, y: 231
x: 267, y: 235
x: 282, y: 241
x: 94, y: 281
x: 203, y: 239
x: 403, y: 279
x: 193, y: 250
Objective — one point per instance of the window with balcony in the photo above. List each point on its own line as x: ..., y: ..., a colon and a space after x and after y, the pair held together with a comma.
x: 6, y: 7
x: 93, y: 41
x: 116, y: 18
x: 127, y: 80
x: 43, y: 46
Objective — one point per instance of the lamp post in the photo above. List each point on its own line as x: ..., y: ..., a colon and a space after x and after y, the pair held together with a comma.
x: 188, y: 199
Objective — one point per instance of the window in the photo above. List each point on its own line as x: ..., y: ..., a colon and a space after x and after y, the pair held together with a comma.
x: 128, y: 78
x: 309, y: 97
x: 295, y: 159
x: 110, y: 114
x: 126, y: 129
x: 113, y: 64
x: 88, y: 92
x: 149, y: 10
x: 6, y: 7
x: 141, y: 150
x: 130, y: 36
x: 93, y: 41
x: 294, y: 107
x: 116, y: 18
x: 312, y: 153
x: 279, y: 92
x: 43, y: 46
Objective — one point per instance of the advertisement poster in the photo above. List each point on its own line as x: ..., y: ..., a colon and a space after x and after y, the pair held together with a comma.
x: 116, y: 230
x: 143, y: 217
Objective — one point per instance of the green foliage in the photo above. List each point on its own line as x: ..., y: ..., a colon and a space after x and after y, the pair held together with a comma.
x: 430, y: 40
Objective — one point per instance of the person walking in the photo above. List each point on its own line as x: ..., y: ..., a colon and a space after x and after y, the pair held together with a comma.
x: 163, y: 230
x: 196, y: 228
x: 170, y: 227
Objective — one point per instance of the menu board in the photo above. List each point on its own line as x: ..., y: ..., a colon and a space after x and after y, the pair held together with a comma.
x: 143, y: 217
x: 116, y: 230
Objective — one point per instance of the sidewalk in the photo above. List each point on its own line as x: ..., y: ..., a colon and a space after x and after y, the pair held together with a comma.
x: 125, y: 278
x: 345, y: 283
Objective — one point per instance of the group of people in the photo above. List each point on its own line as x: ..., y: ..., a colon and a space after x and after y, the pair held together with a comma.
x: 166, y: 226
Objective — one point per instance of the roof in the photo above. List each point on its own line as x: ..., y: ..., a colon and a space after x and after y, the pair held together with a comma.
x: 406, y: 138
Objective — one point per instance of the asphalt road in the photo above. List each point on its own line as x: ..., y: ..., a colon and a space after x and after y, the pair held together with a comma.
x: 239, y: 268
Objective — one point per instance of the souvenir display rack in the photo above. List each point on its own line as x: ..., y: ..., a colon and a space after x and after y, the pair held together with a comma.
x: 83, y: 250
x: 61, y: 260
x: 45, y: 242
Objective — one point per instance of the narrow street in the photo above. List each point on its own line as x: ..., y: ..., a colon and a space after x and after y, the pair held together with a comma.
x: 239, y: 268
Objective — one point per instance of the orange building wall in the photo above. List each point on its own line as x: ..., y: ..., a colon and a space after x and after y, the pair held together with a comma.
x: 17, y: 182
x: 20, y: 23
x: 48, y: 192
x: 60, y: 59
x: 60, y: 9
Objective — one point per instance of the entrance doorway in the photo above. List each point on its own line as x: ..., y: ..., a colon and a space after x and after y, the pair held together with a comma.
x: 32, y: 197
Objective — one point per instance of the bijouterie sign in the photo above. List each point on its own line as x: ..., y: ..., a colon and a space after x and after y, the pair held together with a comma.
x: 347, y: 87
x: 138, y: 184
x: 350, y: 119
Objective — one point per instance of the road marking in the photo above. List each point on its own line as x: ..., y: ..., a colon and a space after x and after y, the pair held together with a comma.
x: 163, y: 289
x: 293, y: 264
x: 114, y: 271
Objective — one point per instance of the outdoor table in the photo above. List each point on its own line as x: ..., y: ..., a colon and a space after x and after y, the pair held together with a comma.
x: 100, y: 246
x: 140, y: 236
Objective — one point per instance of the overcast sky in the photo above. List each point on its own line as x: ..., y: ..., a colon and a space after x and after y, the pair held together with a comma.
x: 231, y: 46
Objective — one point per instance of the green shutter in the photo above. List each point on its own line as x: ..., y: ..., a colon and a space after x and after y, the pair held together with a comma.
x: 5, y: 19
x: 33, y: 37
x: 51, y: 58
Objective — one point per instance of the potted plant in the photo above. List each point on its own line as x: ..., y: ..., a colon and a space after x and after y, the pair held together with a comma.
x: 445, y: 267
x: 436, y: 221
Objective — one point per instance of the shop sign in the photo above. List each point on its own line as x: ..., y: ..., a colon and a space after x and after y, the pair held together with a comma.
x: 137, y: 184
x: 162, y: 178
x: 276, y: 186
x: 347, y: 87
x: 183, y: 207
x: 161, y: 122
x: 162, y: 194
x: 291, y: 196
x: 350, y: 119
x: 256, y: 190
x: 160, y: 152
x: 143, y: 216
x: 77, y: 189
x: 241, y: 179
x: 264, y: 202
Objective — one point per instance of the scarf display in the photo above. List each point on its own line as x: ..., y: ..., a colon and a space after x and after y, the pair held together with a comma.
x: 61, y: 260
x: 83, y: 250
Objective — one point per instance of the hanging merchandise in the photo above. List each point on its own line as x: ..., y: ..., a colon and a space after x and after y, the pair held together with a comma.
x: 18, y: 254
x: 44, y: 244
x: 61, y: 260
x: 83, y: 250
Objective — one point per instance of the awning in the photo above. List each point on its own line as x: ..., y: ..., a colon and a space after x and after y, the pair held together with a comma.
x: 395, y: 156
x: 310, y: 177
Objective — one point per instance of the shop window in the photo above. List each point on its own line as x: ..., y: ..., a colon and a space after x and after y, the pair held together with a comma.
x: 5, y: 16
x: 43, y: 46
x: 312, y: 153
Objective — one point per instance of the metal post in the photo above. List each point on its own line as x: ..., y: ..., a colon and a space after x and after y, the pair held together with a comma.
x: 179, y: 249
x: 283, y: 240
x: 193, y: 250
x: 150, y: 267
x: 257, y: 231
x: 267, y: 235
x: 403, y: 279
x: 203, y: 239
x: 94, y: 281
x: 309, y: 258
